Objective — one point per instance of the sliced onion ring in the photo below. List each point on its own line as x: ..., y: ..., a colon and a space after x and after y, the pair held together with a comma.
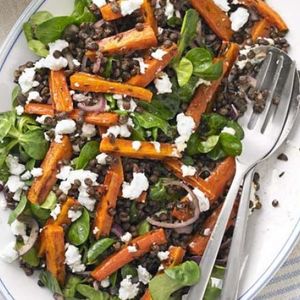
x: 99, y: 107
x: 181, y: 224
x: 34, y: 232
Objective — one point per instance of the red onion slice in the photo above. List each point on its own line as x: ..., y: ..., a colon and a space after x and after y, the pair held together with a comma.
x: 99, y: 107
x: 117, y: 230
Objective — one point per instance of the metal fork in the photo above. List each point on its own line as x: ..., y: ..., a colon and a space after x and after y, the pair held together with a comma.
x: 261, y: 135
x: 235, y: 258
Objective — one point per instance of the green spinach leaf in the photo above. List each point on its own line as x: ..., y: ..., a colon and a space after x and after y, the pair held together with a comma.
x: 50, y: 201
x: 71, y: 285
x: 14, y: 95
x: 98, y: 248
x: 38, y: 48
x: 31, y: 258
x: 143, y: 227
x: 87, y: 153
x: 40, y: 17
x: 7, y: 122
x: 18, y: 210
x: 91, y: 294
x: 209, y: 144
x: 128, y: 270
x: 50, y: 282
x: 184, y: 71
x: 231, y: 145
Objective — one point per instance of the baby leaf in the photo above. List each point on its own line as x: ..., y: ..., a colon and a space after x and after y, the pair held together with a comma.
x: 7, y: 121
x: 91, y: 294
x: 184, y: 71
x: 87, y: 153
x: 40, y: 17
x: 231, y: 145
x: 98, y: 248
x: 38, y: 48
x: 31, y: 258
x: 18, y: 210
x: 71, y: 285
x: 209, y: 144
x: 50, y: 282
x: 200, y: 58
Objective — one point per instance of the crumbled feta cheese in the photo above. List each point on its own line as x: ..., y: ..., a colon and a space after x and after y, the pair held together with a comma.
x: 42, y: 119
x: 80, y: 97
x: 14, y: 167
x: 160, y: 29
x: 185, y: 128
x: 74, y: 215
x: 158, y: 54
x: 128, y: 290
x: 126, y: 237
x: 34, y: 96
x: 67, y: 126
x: 135, y: 188
x: 101, y: 159
x: 203, y: 201
x: 56, y: 211
x: 105, y: 283
x: 9, y: 252
x: 156, y: 146
x: 117, y: 97
x: 99, y: 3
x: 228, y: 130
x: 207, y: 232
x: 64, y: 172
x: 37, y: 172
x: 223, y: 4
x: 88, y: 130
x: 14, y: 183
x: 58, y: 45
x: 136, y: 145
x: 143, y: 275
x: 76, y: 63
x: 188, y: 170
x: 96, y: 230
x: 19, y: 110
x: 161, y: 267
x: 26, y: 80
x: 239, y: 18
x: 203, y: 81
x: 129, y: 6
x: 163, y: 83
x: 3, y: 202
x: 73, y: 259
x: 122, y: 130
x: 58, y: 138
x: 163, y: 255
x: 169, y: 10
x: 132, y: 105
x: 18, y: 228
x: 132, y: 249
x: 258, y: 58
x: 142, y: 64
x: 26, y: 176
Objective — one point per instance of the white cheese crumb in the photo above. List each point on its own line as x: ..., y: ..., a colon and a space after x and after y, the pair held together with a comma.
x: 142, y: 64
x: 76, y: 63
x: 37, y: 172
x: 239, y: 18
x: 26, y: 80
x: 74, y: 215
x: 223, y: 4
x: 26, y: 176
x: 122, y: 130
x: 163, y: 255
x: 9, y: 253
x: 42, y: 119
x: 203, y: 81
x: 105, y: 283
x: 67, y: 126
x: 64, y: 172
x: 228, y: 130
x: 88, y: 130
x: 126, y: 237
x: 128, y: 290
x: 203, y: 201
x: 136, y: 145
x: 158, y: 54
x: 99, y: 3
x: 18, y: 228
x: 14, y: 183
x: 143, y: 275
x: 96, y: 230
x: 169, y: 10
x: 101, y: 159
x: 207, y: 232
x: 14, y: 167
x: 161, y: 267
x: 55, y: 212
x: 73, y: 259
x: 3, y: 202
x: 136, y: 187
x: 132, y: 105
x: 132, y: 249
x: 163, y: 83
x: 156, y: 146
x: 34, y: 96
x: 159, y: 29
x: 19, y: 110
x: 188, y: 170
x: 129, y: 6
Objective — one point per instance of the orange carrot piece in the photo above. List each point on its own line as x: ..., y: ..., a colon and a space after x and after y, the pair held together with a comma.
x: 146, y: 151
x: 149, y: 17
x: 142, y: 198
x: 199, y: 242
x: 60, y: 94
x: 185, y: 213
x: 205, y: 95
x: 55, y: 251
x: 215, y: 17
x: 113, y: 182
x: 91, y: 83
x: 124, y: 42
x: 154, y: 67
x: 39, y: 109
x: 260, y: 29
x: 108, y: 14
x: 42, y: 185
x: 267, y: 12
x: 212, y: 187
x: 119, y: 259
x: 63, y: 218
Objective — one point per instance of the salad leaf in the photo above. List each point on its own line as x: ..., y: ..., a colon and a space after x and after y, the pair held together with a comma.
x: 184, y: 71
x: 213, y: 72
x: 38, y: 47
x: 164, y: 285
x: 209, y: 144
x: 108, y: 67
x: 217, y: 153
x: 4, y: 173
x: 174, y: 22
x: 71, y: 285
x: 50, y: 201
x: 200, y: 58
x: 14, y: 95
x: 192, y: 144
x: 128, y: 270
x: 28, y: 32
x: 158, y: 192
x: 212, y: 293
x: 18, y: 210
x: 143, y: 227
x: 91, y: 294
x: 39, y: 17
x: 113, y: 279
x: 98, y: 248
x: 50, y: 282
x: 40, y: 213
x: 87, y: 153
x: 79, y: 230
x: 231, y: 145
x: 31, y: 258
x: 239, y: 132
x: 5, y: 148
x: 186, y: 92
x: 7, y: 121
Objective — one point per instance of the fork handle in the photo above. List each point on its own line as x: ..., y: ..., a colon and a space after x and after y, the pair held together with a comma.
x: 209, y: 257
x: 234, y: 262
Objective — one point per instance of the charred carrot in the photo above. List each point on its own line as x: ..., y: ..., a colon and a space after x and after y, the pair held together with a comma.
x: 39, y: 109
x: 212, y: 187
x: 142, y: 198
x: 267, y: 12
x: 215, y: 17
x: 63, y: 218
x: 108, y: 14
x: 113, y: 182
x: 124, y: 256
x: 205, y: 95
x: 124, y: 42
x: 60, y: 94
x: 260, y: 29
x: 154, y: 66
x: 42, y: 185
x: 184, y: 213
x: 148, y: 13
x: 55, y: 251
x: 91, y: 83
x: 147, y: 150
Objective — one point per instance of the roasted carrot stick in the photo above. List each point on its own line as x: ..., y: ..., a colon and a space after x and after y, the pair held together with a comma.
x: 60, y: 94
x: 63, y: 218
x: 184, y: 213
x: 127, y: 41
x: 113, y: 182
x: 198, y: 243
x: 147, y: 150
x: 124, y: 256
x: 42, y: 185
x: 108, y: 14
x: 212, y: 187
x: 260, y: 29
x: 142, y: 198
x: 267, y: 12
x: 148, y: 13
x: 104, y: 119
x: 154, y: 67
x: 215, y: 17
x: 91, y: 83
x: 55, y: 251
x: 205, y: 95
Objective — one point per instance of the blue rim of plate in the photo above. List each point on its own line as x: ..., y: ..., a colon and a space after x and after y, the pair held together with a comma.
x: 278, y: 261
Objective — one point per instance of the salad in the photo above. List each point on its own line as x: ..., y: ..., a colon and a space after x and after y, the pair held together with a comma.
x: 120, y: 145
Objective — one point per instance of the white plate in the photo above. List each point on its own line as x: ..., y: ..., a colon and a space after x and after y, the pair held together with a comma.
x: 272, y: 231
